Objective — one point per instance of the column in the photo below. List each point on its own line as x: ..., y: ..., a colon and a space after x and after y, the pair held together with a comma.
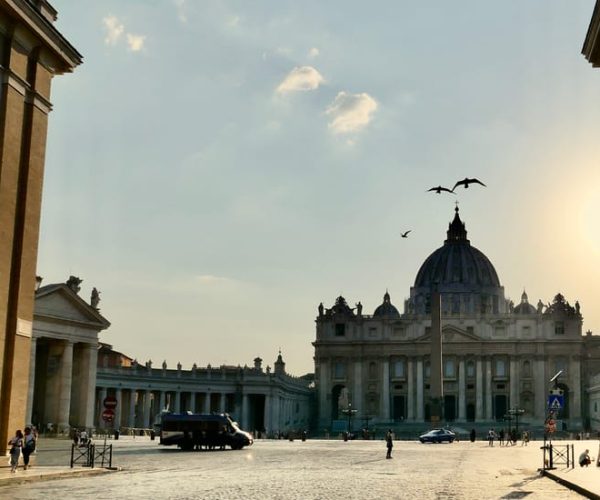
x: 101, y: 397
x: 267, y: 413
x: 147, y: 401
x: 385, y: 407
x: 541, y: 389
x: 118, y: 411
x: 87, y: 384
x: 462, y: 391
x: 514, y: 383
x: 276, y: 413
x: 479, y: 391
x: 222, y: 402
x: 207, y: 402
x: 162, y: 401
x: 245, y: 409
x: 488, y: 389
x: 574, y: 377
x: 30, y: 391
x: 177, y: 405
x: 410, y: 413
x: 66, y: 376
x: 324, y: 389
x: 358, y: 399
x: 420, y: 389
x: 192, y: 404
x: 132, y: 398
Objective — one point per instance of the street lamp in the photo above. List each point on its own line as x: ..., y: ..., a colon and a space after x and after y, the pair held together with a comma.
x: 350, y: 412
x: 516, y: 412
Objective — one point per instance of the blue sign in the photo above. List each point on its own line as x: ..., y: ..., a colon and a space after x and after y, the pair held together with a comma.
x: 556, y: 402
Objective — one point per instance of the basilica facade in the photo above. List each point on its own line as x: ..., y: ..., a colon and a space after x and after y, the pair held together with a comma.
x: 498, y: 357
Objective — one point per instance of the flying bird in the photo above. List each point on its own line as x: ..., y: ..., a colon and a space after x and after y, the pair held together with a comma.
x: 439, y: 190
x: 466, y: 181
x: 405, y: 234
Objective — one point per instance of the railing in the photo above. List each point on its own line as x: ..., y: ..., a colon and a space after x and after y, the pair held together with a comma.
x: 89, y: 454
x: 556, y: 454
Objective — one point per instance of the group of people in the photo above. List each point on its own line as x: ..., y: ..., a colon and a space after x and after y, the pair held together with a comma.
x: 22, y: 444
x: 504, y: 437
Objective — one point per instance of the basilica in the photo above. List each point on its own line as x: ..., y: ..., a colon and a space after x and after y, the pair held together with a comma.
x: 497, y: 357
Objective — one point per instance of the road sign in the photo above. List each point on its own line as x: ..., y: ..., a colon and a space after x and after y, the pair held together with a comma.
x: 108, y: 415
x: 556, y: 402
x: 110, y: 402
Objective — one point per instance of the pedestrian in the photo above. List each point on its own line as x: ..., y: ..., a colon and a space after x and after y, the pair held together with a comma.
x: 473, y: 435
x: 16, y: 443
x: 501, y: 437
x: 29, y: 443
x: 491, y: 435
x: 584, y: 459
x: 389, y: 441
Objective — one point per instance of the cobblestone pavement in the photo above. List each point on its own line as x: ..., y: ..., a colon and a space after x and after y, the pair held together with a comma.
x: 314, y: 469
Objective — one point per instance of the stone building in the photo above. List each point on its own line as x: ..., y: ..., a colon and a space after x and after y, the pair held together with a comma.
x: 32, y: 51
x: 497, y: 356
x: 63, y: 357
x: 259, y: 399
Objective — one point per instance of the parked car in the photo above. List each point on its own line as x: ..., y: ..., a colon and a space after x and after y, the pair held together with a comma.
x: 437, y: 436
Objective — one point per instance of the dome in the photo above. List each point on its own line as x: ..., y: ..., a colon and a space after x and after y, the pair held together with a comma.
x: 457, y: 263
x: 386, y: 309
x: 525, y: 307
x: 463, y: 275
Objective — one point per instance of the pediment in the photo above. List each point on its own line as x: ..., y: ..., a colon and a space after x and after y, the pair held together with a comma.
x: 451, y: 334
x: 59, y: 303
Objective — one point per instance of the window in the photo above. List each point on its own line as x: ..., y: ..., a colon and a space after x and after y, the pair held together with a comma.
x: 427, y: 370
x: 500, y: 332
x: 339, y: 370
x: 372, y: 332
x: 526, y: 332
x: 526, y: 369
x: 399, y: 368
x: 470, y: 369
x: 449, y: 368
x: 500, y: 368
x: 470, y: 330
x: 340, y: 329
x: 559, y: 328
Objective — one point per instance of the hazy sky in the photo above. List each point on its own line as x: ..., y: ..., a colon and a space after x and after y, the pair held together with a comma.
x: 216, y: 169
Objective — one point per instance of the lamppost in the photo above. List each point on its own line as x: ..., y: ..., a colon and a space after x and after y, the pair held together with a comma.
x: 350, y: 412
x: 516, y: 412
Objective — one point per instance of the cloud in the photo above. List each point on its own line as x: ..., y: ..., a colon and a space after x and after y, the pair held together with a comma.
x: 313, y: 52
x: 301, y: 78
x: 114, y: 30
x: 350, y: 112
x: 135, y: 42
x: 210, y: 279
x: 180, y: 7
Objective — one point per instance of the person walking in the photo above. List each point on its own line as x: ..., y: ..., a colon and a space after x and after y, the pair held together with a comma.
x: 389, y: 441
x: 491, y: 435
x: 16, y: 443
x: 29, y: 443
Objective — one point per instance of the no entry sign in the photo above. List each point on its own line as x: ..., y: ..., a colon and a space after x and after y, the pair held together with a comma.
x: 110, y: 402
x: 108, y: 415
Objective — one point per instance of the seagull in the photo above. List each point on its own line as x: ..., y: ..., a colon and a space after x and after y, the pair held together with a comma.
x: 466, y: 181
x: 439, y: 190
x: 405, y: 234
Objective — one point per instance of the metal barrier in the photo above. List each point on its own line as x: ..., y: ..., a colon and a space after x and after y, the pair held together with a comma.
x: 89, y: 454
x: 558, y: 455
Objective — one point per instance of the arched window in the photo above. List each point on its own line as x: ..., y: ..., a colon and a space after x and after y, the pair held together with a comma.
x: 399, y: 368
x: 500, y: 367
x: 449, y: 368
x: 470, y: 369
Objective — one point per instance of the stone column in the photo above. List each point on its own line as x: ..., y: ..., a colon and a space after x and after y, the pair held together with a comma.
x: 118, y: 410
x: 132, y: 398
x: 324, y: 412
x: 385, y: 403
x: 222, y: 402
x: 410, y: 413
x: 30, y: 391
x: 207, y: 402
x: 276, y: 413
x: 541, y: 389
x: 66, y: 376
x: 420, y: 389
x: 574, y: 377
x: 245, y: 410
x: 193, y: 397
x: 101, y: 397
x: 267, y: 411
x: 514, y: 383
x: 162, y: 401
x: 87, y: 384
x: 147, y: 401
x: 462, y: 391
x: 358, y: 399
x: 479, y: 391
x: 177, y: 408
x: 488, y: 389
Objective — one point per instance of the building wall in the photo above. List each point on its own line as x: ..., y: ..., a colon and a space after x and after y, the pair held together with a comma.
x: 31, y: 51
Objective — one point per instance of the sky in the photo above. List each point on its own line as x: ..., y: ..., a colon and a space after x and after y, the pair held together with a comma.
x: 216, y: 169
